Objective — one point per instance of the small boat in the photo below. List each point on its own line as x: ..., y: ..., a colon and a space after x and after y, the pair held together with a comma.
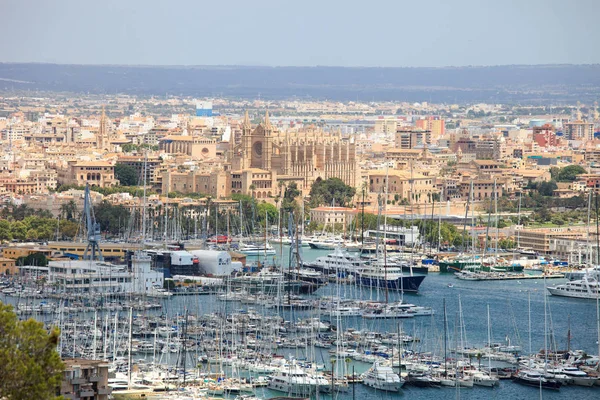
x: 450, y: 285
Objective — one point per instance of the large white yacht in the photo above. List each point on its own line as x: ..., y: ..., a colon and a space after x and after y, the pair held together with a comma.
x: 338, y: 262
x: 295, y: 380
x: 586, y: 288
x: 382, y: 378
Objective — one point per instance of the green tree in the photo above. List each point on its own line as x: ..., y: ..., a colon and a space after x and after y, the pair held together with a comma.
x: 111, y: 217
x: 19, y: 230
x: 30, y: 367
x: 37, y: 259
x: 5, y: 230
x: 547, y: 188
x: 126, y: 174
x: 325, y: 192
x: 69, y: 210
x: 507, y: 244
x: 569, y: 173
x: 266, y: 209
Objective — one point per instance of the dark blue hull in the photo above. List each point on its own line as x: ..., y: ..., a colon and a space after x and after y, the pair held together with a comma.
x: 405, y: 284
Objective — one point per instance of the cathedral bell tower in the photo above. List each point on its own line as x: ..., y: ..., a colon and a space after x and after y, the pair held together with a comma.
x: 102, y: 136
x: 267, y: 145
x: 246, y: 142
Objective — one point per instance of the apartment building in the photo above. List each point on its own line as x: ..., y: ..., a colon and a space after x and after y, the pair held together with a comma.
x: 85, y: 380
x: 542, y: 240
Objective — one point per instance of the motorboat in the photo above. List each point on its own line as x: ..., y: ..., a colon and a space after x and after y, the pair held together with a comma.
x: 586, y: 288
x: 481, y: 378
x: 578, y: 377
x: 308, y: 275
x: 382, y: 378
x: 535, y: 379
x: 389, y: 277
x: 295, y: 380
x: 257, y: 249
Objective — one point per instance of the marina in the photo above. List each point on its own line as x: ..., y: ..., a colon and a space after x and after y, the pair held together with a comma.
x: 271, y: 343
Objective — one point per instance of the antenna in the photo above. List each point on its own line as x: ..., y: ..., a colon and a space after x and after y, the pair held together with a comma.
x: 92, y: 250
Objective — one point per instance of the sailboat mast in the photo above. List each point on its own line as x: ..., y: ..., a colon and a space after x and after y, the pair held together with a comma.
x: 473, y: 233
x: 362, y: 222
x: 597, y: 234
x: 144, y: 215
x: 496, y: 216
x: 464, y: 246
x: 445, y: 340
x: 129, y: 347
x: 387, y: 180
x: 440, y: 222
x: 529, y: 315
x: 597, y: 286
x: 519, y: 221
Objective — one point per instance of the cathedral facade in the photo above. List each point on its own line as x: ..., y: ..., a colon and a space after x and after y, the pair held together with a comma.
x: 267, y: 157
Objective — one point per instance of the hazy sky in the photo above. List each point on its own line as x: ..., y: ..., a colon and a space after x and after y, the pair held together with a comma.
x: 301, y: 32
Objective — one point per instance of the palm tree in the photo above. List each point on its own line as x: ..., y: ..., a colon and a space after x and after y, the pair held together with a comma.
x: 69, y: 210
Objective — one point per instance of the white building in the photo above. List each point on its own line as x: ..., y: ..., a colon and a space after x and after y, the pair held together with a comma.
x: 86, y: 276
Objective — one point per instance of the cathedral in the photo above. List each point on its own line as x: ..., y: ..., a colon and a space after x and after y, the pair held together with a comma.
x: 267, y: 157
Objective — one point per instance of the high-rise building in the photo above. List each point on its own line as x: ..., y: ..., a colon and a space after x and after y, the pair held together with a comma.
x: 579, y: 130
x: 436, y: 125
x: 409, y: 138
x: 386, y: 125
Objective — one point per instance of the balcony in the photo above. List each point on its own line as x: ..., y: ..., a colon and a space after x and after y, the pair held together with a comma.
x: 86, y: 393
x: 78, y: 381
x: 94, y: 378
x: 104, y: 390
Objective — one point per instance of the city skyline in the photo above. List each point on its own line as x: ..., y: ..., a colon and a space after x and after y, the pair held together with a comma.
x: 271, y: 33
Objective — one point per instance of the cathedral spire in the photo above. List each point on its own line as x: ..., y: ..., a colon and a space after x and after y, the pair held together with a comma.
x: 267, y: 121
x: 246, y: 122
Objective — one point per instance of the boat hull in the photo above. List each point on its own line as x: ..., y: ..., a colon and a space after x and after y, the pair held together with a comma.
x: 572, y: 294
x: 545, y: 384
x: 404, y: 283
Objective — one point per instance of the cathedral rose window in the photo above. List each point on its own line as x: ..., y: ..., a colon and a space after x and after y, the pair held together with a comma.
x: 258, y: 149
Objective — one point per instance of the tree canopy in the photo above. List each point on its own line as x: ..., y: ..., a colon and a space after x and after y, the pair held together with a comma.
x: 37, y: 228
x: 30, y: 366
x: 570, y: 172
x: 126, y: 174
x: 111, y: 217
x: 326, y: 192
x: 266, y: 209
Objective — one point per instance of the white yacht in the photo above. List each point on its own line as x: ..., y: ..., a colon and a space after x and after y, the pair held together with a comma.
x: 338, y: 262
x: 576, y: 275
x: 330, y: 243
x: 586, y: 288
x: 481, y: 378
x: 261, y: 249
x: 295, y: 380
x: 382, y: 378
x: 579, y: 377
